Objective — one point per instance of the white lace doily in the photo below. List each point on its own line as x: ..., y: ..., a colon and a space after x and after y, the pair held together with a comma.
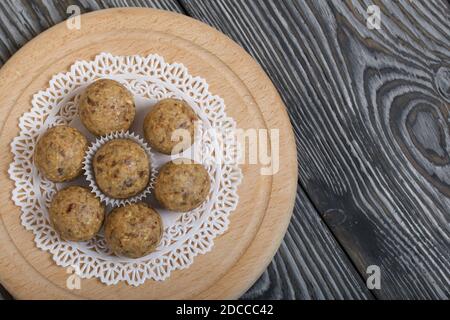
x: 185, y: 235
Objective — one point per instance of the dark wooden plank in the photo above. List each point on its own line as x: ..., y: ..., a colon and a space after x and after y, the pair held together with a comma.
x: 22, y: 20
x: 309, y: 264
x: 4, y: 295
x: 371, y: 115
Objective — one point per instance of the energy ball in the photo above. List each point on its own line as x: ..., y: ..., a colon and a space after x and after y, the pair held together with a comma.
x: 106, y: 106
x: 121, y: 168
x: 134, y: 230
x: 76, y: 214
x: 59, y: 153
x: 161, y: 122
x: 182, y: 186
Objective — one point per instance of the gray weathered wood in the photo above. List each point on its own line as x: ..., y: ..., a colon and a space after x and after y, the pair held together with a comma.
x: 309, y: 264
x: 4, y: 295
x: 22, y: 20
x: 371, y: 115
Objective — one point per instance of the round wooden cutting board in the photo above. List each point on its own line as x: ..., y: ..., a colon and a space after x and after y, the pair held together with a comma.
x: 258, y: 224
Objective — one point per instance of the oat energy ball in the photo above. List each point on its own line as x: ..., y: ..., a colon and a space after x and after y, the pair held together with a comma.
x: 182, y: 186
x: 59, y: 153
x: 106, y: 106
x: 167, y: 116
x: 76, y: 214
x: 121, y: 168
x: 134, y: 230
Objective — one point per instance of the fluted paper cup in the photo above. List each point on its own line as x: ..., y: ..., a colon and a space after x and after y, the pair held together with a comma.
x: 90, y: 176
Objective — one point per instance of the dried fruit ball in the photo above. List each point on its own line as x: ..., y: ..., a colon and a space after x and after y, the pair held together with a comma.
x: 134, y: 230
x: 76, y: 214
x: 182, y: 186
x: 121, y: 168
x: 161, y: 122
x: 106, y: 106
x: 60, y: 152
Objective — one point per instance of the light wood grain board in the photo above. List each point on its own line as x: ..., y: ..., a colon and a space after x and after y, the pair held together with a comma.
x: 258, y: 224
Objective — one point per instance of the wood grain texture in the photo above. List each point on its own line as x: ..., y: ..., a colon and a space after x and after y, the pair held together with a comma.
x: 22, y: 20
x: 370, y: 110
x: 265, y: 206
x: 309, y: 264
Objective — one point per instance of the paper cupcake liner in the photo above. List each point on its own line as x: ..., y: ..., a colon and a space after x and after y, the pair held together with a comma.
x: 89, y: 172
